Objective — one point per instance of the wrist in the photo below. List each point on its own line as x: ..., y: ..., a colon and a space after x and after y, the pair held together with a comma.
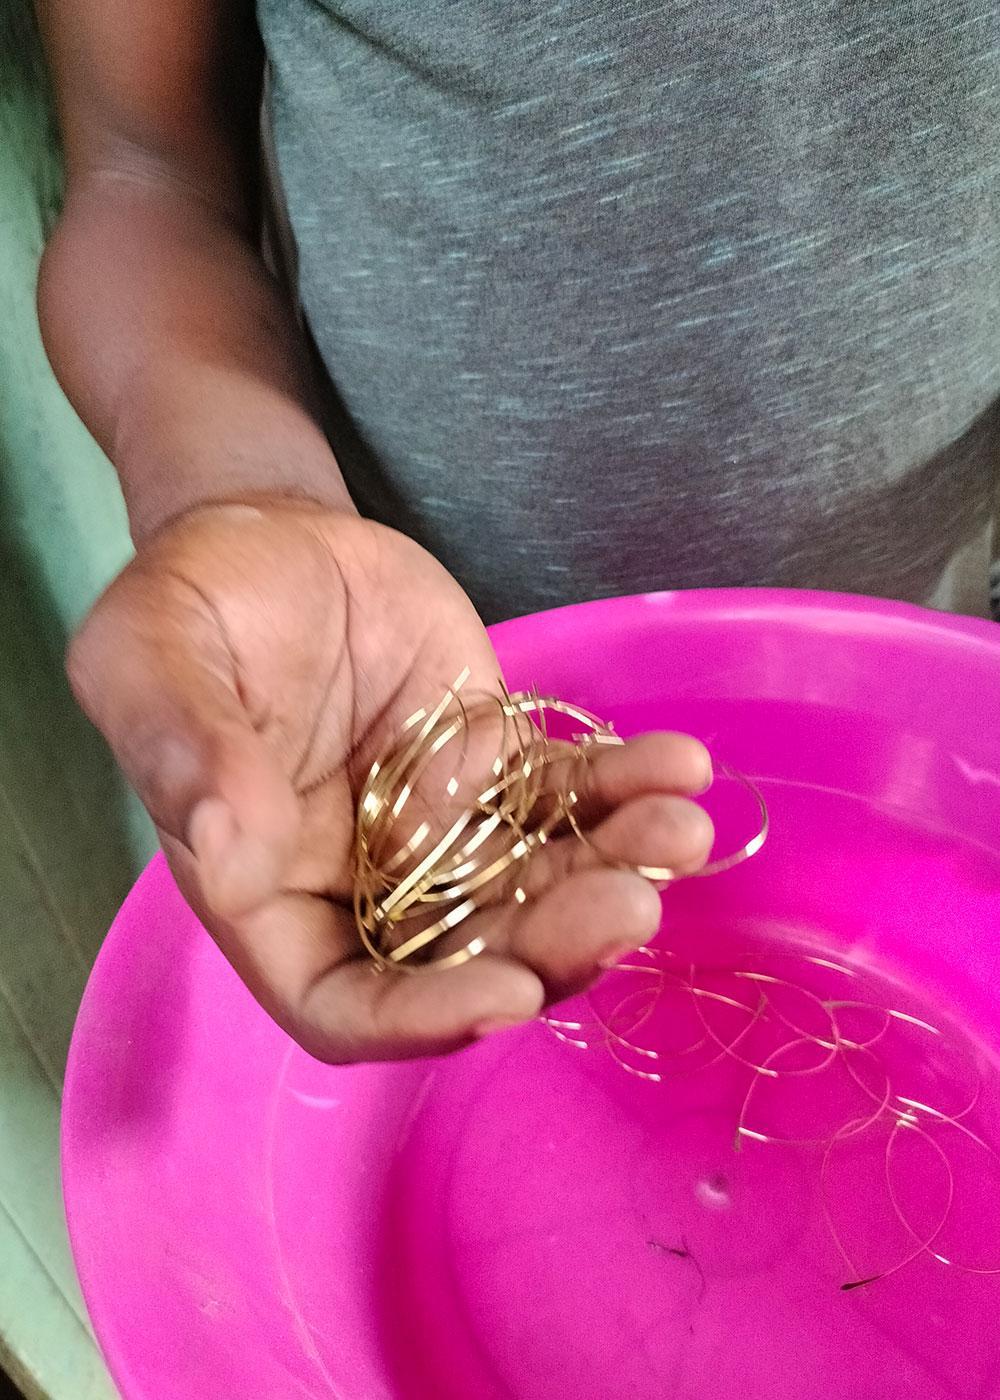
x: 247, y: 505
x: 193, y: 445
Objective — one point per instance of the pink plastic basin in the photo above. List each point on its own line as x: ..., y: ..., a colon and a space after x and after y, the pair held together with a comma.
x: 530, y: 1220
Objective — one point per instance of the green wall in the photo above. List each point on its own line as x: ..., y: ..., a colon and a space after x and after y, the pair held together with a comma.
x: 71, y: 838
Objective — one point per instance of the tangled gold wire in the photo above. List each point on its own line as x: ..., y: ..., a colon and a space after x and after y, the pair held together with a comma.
x: 417, y: 881
x: 661, y: 1020
x: 418, y: 878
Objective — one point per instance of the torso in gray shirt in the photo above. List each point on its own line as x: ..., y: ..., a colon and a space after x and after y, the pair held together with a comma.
x: 624, y: 296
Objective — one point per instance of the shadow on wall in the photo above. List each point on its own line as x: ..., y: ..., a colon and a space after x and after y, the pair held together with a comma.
x: 7, y: 1391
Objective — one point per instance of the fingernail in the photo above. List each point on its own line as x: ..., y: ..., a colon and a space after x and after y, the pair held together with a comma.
x: 212, y: 831
x: 616, y: 955
x: 708, y: 776
x: 496, y: 1025
x: 234, y: 867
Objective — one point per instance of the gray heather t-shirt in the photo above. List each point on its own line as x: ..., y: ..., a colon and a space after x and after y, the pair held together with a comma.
x: 617, y: 296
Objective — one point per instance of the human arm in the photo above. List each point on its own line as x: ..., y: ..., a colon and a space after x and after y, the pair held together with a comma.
x: 266, y: 642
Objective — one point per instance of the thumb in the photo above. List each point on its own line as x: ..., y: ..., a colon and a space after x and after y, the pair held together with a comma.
x: 183, y: 738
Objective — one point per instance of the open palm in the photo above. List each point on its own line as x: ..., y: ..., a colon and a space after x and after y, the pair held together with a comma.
x: 246, y: 668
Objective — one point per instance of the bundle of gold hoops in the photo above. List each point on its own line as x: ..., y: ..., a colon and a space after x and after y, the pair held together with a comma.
x: 448, y: 822
x: 488, y: 766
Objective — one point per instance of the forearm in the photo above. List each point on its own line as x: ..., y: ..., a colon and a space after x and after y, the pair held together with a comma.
x: 176, y: 348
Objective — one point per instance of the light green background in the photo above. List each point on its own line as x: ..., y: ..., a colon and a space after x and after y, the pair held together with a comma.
x: 71, y: 839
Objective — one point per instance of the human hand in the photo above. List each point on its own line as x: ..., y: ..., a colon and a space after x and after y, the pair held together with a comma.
x: 247, y: 668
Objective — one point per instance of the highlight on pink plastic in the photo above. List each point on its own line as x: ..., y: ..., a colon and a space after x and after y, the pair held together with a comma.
x: 527, y: 1220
